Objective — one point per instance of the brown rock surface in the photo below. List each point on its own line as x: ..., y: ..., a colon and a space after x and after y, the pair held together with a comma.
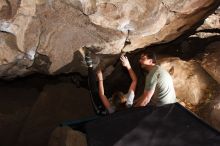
x: 57, y: 103
x: 66, y: 136
x: 68, y: 30
x: 215, y: 112
x: 210, y: 111
x: 180, y: 16
x: 210, y: 27
x: 8, y: 48
x: 8, y: 8
x: 211, y: 60
x: 16, y: 101
x: 4, y: 9
x: 213, y: 21
x: 12, y: 61
x: 191, y: 82
x: 58, y: 29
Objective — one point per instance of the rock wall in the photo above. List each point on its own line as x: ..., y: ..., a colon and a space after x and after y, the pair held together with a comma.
x: 192, y: 84
x: 211, y: 60
x: 49, y: 34
x: 66, y: 136
x: 214, y: 114
x: 57, y: 103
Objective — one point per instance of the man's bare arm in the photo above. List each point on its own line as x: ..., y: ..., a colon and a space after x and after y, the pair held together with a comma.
x: 144, y: 99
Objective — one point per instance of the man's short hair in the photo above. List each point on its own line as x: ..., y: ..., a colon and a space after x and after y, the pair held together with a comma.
x: 150, y: 55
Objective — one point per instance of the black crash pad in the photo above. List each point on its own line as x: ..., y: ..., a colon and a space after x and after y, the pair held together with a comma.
x: 170, y: 125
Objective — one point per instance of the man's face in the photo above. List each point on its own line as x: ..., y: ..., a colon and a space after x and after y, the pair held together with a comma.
x: 145, y: 61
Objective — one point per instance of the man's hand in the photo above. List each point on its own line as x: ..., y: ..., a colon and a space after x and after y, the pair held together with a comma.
x: 144, y: 99
x: 125, y: 62
x: 139, y: 103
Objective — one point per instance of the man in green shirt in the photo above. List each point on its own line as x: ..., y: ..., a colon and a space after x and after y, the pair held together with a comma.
x: 159, y: 87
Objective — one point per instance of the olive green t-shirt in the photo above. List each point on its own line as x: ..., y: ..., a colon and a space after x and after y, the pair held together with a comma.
x: 159, y: 79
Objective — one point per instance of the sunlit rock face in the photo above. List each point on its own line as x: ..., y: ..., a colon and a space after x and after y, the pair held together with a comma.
x: 215, y: 112
x: 210, y: 27
x: 211, y: 111
x: 64, y: 136
x: 4, y: 9
x: 148, y: 22
x: 8, y: 8
x: 49, y: 34
x: 212, y: 22
x: 192, y: 84
x: 8, y: 48
x: 211, y: 60
x: 11, y: 59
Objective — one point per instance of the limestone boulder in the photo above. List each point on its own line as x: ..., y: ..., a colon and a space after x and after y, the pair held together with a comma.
x: 66, y: 136
x: 192, y: 83
x: 211, y: 60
